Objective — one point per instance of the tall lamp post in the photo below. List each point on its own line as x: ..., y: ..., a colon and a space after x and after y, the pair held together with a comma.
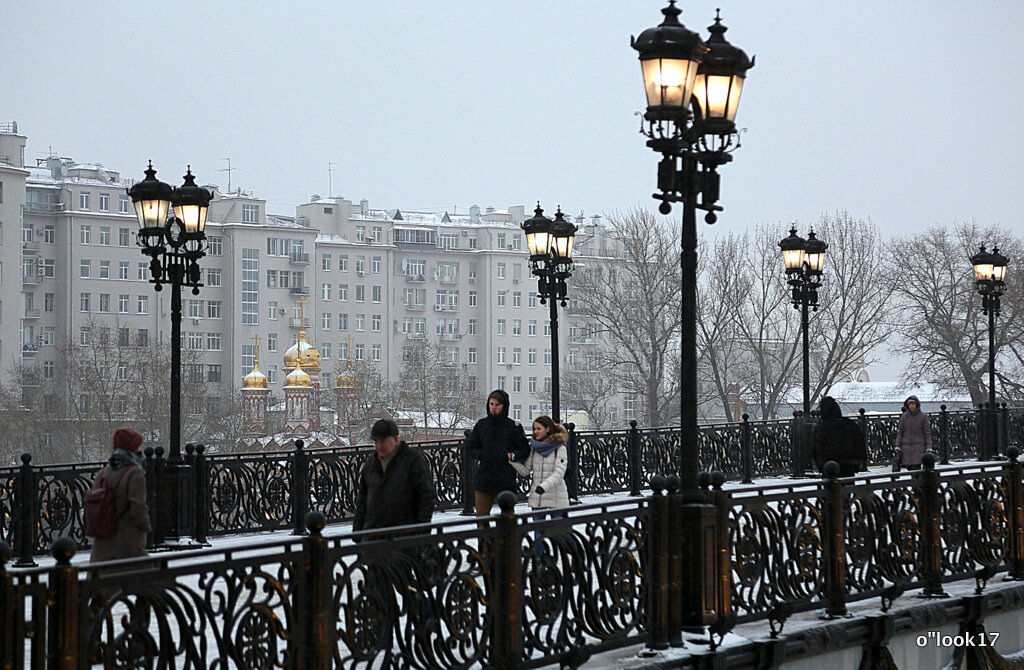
x: 693, y: 91
x: 804, y: 260
x: 550, y: 243
x: 174, y: 244
x: 989, y: 280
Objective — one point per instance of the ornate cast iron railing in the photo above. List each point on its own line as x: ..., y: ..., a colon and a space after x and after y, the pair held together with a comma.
x: 239, y: 493
x: 516, y: 590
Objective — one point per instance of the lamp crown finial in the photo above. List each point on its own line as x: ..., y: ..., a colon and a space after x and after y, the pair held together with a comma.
x: 671, y: 14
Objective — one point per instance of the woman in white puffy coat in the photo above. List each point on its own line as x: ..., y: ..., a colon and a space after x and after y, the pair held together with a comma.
x: 549, y: 456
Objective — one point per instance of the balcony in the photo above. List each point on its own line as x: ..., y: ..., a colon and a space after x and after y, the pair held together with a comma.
x: 29, y: 350
x: 298, y: 290
x: 30, y: 279
x: 415, y: 278
x: 31, y: 313
x: 451, y: 336
x: 298, y: 258
x: 30, y: 247
x: 582, y: 340
x: 296, y: 322
x: 448, y: 278
x: 415, y: 306
x: 44, y: 207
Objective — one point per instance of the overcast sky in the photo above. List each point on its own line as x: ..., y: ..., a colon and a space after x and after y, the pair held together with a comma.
x: 907, y: 113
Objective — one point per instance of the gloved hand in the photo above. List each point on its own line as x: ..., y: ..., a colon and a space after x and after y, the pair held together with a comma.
x: 540, y: 490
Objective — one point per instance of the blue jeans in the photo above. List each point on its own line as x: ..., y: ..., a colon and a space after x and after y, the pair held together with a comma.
x: 540, y: 515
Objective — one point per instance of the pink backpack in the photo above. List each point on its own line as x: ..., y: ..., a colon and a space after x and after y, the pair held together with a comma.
x: 100, y: 508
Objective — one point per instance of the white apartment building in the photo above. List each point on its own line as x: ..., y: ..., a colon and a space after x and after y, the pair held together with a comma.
x: 344, y: 272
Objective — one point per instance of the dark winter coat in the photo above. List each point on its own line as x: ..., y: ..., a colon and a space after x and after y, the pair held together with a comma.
x: 914, y: 435
x: 493, y: 438
x: 130, y: 506
x: 837, y: 438
x: 403, y: 495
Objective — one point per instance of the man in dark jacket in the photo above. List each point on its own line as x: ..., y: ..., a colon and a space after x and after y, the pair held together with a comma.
x: 839, y: 439
x: 495, y: 440
x: 395, y: 487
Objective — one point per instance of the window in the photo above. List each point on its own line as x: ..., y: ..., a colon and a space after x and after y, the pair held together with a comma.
x: 122, y: 269
x: 547, y: 357
x: 531, y: 327
x: 517, y: 326
x: 472, y: 298
x: 105, y: 235
x: 517, y: 357
x: 213, y: 277
x: 325, y: 291
x: 359, y: 352
x: 213, y: 373
x: 531, y: 356
x: 48, y: 299
x: 122, y: 205
x: 343, y: 263
x: 343, y: 292
x: 83, y: 302
x: 533, y: 300
x: 532, y: 385
x: 361, y: 264
x: 360, y: 233
x: 122, y: 303
x: 378, y: 234
x: 143, y: 270
x: 325, y: 262
x: 49, y: 333
x: 250, y: 213
x: 516, y: 242
x: 501, y: 326
x: 84, y: 335
x: 143, y: 304
x: 325, y: 350
x: 448, y: 240
x: 143, y: 337
x: 375, y: 323
x: 547, y: 328
x: 343, y: 322
x: 250, y: 286
x: 472, y: 355
x: 48, y: 370
x: 85, y: 269
x: 272, y: 374
x: 325, y: 321
x: 104, y: 269
x: 517, y: 298
x: 104, y: 302
x: 213, y: 309
x: 517, y: 387
x: 501, y: 381
x: 501, y: 240
x: 501, y: 270
x: 629, y: 408
x: 375, y: 352
x: 216, y: 246
x: 472, y: 327
x: 271, y: 278
x: 377, y: 292
x: 49, y: 268
x: 49, y: 234
x: 501, y: 298
x: 195, y: 309
x: 213, y: 341
x: 501, y: 359
x: 83, y: 200
x: 360, y: 321
x: 271, y: 341
x: 248, y: 356
x: 375, y: 265
x: 360, y: 293
x: 122, y: 337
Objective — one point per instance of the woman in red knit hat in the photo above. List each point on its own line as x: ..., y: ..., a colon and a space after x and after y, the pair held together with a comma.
x: 124, y: 474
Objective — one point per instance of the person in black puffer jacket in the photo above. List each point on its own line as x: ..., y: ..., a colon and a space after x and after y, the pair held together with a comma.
x: 495, y: 440
x: 839, y: 439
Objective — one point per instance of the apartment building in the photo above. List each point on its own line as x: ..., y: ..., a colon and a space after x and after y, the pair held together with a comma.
x: 360, y: 281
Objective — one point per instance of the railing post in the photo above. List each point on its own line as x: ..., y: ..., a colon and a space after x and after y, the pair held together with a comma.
x: 1014, y: 511
x: 796, y: 441
x: 1004, y: 429
x: 202, y: 511
x: 747, y: 451
x: 468, y: 474
x: 25, y: 514
x: 65, y: 609
x: 149, y: 467
x: 313, y: 632
x: 723, y: 503
x: 633, y: 449
x: 982, y: 446
x: 572, y: 478
x: 8, y: 620
x: 931, y: 534
x: 674, y: 619
x: 159, y: 515
x: 300, y: 488
x: 944, y: 434
x: 862, y: 419
x: 835, y: 542
x: 507, y: 643
x: 187, y: 492
x: 657, y: 569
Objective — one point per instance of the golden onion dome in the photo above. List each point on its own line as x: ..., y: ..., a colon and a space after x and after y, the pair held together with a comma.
x: 255, y: 379
x: 302, y: 353
x: 347, y: 380
x: 298, y: 378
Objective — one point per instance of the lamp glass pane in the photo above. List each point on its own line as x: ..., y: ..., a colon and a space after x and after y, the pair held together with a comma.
x: 983, y: 271
x: 998, y: 272
x: 717, y: 95
x: 189, y: 215
x: 793, y: 258
x: 734, y: 98
x: 815, y: 261
x: 151, y: 213
x: 538, y: 243
x: 669, y: 81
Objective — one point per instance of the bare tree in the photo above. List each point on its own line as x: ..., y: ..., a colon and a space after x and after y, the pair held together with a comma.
x: 944, y: 332
x: 585, y: 390
x: 434, y: 386
x: 634, y: 300
x: 373, y: 398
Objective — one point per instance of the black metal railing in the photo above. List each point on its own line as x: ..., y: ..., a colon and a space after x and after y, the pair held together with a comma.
x: 517, y: 591
x: 263, y: 491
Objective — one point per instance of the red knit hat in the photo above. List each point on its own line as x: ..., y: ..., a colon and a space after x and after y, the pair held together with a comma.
x: 127, y: 439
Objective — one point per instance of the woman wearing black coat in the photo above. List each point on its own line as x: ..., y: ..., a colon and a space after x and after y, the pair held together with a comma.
x: 495, y: 440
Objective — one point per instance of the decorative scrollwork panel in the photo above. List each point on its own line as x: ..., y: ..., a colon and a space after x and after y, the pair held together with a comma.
x: 249, y: 493
x: 604, y: 461
x: 883, y: 536
x: 973, y: 524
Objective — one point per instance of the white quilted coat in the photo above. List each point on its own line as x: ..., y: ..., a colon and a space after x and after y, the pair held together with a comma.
x: 548, y: 473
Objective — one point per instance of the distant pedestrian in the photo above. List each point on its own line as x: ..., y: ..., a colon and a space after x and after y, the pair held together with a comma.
x: 395, y: 487
x: 494, y: 441
x: 123, y: 474
x: 914, y: 435
x: 840, y: 439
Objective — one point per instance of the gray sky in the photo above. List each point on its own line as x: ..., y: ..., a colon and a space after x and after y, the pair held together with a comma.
x: 904, y: 112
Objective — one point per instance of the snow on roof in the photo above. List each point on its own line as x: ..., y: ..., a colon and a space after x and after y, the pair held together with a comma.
x: 331, y: 239
x: 885, y: 392
x: 446, y: 418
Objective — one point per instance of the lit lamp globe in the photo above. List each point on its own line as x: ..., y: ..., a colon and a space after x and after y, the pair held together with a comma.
x: 152, y: 200
x: 814, y: 254
x: 538, y: 234
x: 792, y: 252
x: 719, y: 81
x: 998, y: 267
x: 669, y: 56
x: 983, y: 263
x: 191, y: 204
x: 563, y: 233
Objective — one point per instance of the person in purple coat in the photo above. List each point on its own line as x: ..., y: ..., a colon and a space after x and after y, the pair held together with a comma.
x: 914, y: 435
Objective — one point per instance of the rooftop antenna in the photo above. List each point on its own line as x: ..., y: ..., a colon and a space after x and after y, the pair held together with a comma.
x: 330, y: 176
x: 228, y: 169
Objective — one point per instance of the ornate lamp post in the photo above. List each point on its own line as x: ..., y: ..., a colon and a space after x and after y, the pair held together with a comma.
x: 804, y: 260
x: 174, y: 244
x: 989, y: 280
x: 693, y: 91
x: 550, y: 243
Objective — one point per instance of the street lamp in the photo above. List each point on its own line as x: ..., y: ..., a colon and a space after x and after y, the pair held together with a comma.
x: 550, y: 243
x: 989, y: 280
x: 693, y: 90
x: 174, y: 244
x: 804, y: 260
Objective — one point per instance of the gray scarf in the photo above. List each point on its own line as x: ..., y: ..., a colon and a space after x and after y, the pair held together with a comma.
x: 123, y: 458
